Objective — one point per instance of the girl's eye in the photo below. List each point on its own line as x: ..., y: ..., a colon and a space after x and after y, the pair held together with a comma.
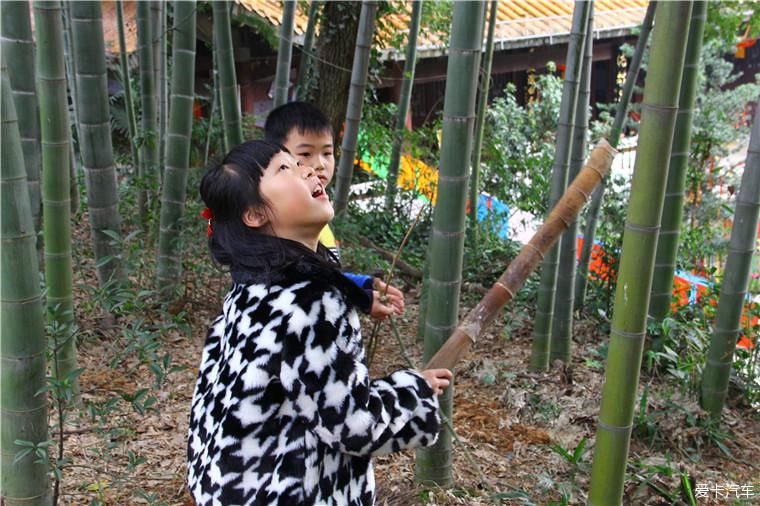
x: 284, y: 167
x: 304, y: 155
x: 329, y: 153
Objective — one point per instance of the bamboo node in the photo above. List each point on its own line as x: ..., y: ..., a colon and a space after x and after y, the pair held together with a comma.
x: 503, y: 286
x: 586, y: 196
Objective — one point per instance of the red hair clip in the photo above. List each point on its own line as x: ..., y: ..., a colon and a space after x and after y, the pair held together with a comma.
x: 206, y: 213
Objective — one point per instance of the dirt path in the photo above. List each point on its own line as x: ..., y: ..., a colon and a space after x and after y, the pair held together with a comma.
x: 505, y: 418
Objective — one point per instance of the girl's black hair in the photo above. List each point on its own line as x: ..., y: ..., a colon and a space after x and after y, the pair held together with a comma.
x: 229, y: 189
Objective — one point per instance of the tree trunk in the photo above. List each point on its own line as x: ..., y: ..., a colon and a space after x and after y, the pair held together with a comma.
x: 284, y: 54
x: 336, y: 45
x: 18, y: 53
x: 621, y: 115
x: 23, y: 343
x: 177, y: 148
x: 672, y: 211
x: 637, y: 258
x: 485, y: 81
x: 225, y: 63
x: 733, y: 290
x: 95, y: 141
x: 539, y: 360
x: 562, y: 326
x: 355, y: 101
x: 127, y: 83
x: 304, y: 66
x: 51, y: 87
x: 433, y: 465
x: 150, y: 142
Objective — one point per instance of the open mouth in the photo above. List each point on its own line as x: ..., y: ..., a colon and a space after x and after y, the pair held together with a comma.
x: 318, y: 191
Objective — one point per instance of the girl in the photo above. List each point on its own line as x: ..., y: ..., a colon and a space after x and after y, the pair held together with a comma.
x: 283, y: 411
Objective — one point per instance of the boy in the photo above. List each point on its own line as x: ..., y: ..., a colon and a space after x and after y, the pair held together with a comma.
x: 306, y: 132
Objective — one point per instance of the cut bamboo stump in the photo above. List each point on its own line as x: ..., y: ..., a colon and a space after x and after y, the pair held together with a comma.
x: 568, y: 207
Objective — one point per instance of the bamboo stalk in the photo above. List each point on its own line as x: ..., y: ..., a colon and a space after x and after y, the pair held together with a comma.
x: 621, y: 116
x: 434, y: 464
x: 736, y: 275
x: 284, y: 54
x: 95, y: 140
x: 126, y: 81
x: 51, y: 88
x: 485, y: 81
x: 71, y: 72
x: 637, y: 258
x: 478, y: 319
x: 359, y: 70
x: 304, y: 66
x: 18, y: 52
x: 562, y: 325
x: 403, y: 106
x: 177, y: 148
x: 539, y: 359
x: 225, y: 64
x: 149, y: 146
x: 23, y: 412
x: 672, y: 211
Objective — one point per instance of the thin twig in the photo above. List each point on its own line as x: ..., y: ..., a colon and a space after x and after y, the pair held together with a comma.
x: 372, y: 342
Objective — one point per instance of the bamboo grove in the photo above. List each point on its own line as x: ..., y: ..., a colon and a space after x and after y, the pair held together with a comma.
x: 39, y: 157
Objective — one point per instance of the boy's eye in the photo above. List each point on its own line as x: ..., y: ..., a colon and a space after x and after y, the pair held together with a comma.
x: 329, y: 153
x: 284, y: 167
x: 304, y: 155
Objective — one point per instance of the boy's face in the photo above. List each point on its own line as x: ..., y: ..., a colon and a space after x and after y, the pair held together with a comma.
x: 313, y: 149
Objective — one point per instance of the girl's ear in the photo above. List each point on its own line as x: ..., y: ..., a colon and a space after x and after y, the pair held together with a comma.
x: 255, y: 218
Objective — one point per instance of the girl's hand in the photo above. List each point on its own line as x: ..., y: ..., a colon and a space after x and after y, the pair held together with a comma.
x: 394, y: 296
x: 439, y: 379
x: 392, y: 303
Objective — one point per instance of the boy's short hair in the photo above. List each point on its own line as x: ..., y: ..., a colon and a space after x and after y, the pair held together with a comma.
x: 305, y: 117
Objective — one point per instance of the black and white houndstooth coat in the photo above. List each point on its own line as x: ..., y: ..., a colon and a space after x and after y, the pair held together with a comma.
x: 284, y: 411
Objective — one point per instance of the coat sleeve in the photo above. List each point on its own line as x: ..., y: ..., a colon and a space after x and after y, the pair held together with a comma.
x: 323, y: 373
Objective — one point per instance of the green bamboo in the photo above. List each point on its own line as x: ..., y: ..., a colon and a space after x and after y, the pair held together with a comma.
x: 214, y: 107
x: 225, y: 64
x: 736, y: 275
x: 539, y: 360
x: 359, y: 70
x: 71, y: 72
x: 160, y: 42
x: 56, y: 210
x: 95, y: 140
x: 403, y: 106
x: 18, y: 52
x: 304, y: 66
x: 126, y: 81
x: 562, y: 325
x: 434, y: 464
x: 672, y: 211
x: 149, y: 155
x: 621, y: 115
x: 284, y: 54
x: 637, y: 258
x: 23, y: 413
x: 485, y: 81
x: 177, y: 147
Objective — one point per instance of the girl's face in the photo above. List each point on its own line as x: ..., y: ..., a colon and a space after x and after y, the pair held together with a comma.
x: 299, y: 207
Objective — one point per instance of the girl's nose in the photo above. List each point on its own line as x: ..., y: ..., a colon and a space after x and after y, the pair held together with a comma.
x: 307, y: 171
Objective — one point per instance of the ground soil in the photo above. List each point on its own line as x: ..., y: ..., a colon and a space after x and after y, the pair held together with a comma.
x: 506, y: 420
